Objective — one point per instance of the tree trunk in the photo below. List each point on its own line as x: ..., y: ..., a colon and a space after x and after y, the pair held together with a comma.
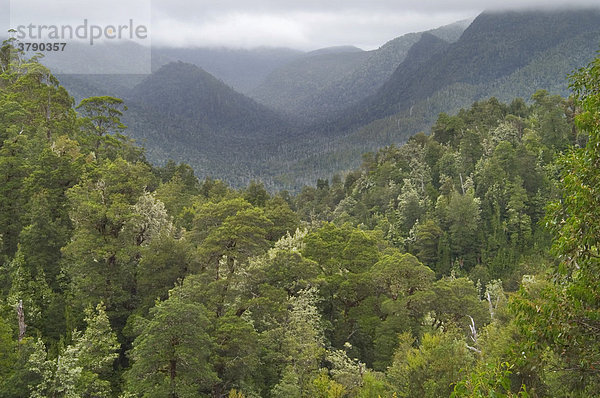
x: 21, y: 316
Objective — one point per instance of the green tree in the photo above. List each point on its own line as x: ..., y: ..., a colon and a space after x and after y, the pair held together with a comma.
x: 239, y: 237
x: 463, y: 214
x: 552, y: 121
x: 564, y: 316
x: 170, y: 357
x: 97, y: 350
x: 302, y: 345
x: 493, y: 381
x: 256, y: 194
x: 431, y: 369
x: 235, y: 359
x: 401, y: 275
x: 101, y: 116
x: 58, y: 377
x: 163, y: 261
x: 283, y: 218
x: 454, y: 301
x: 403, y: 280
x: 8, y: 352
x: 426, y: 245
x: 101, y: 257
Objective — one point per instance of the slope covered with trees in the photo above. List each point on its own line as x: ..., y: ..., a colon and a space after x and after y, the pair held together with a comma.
x: 318, y: 86
x: 182, y: 112
x: 434, y: 82
x: 358, y: 101
x: 494, y: 45
x: 426, y: 272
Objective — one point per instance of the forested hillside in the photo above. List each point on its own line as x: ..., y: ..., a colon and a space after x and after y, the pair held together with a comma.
x: 182, y: 112
x: 318, y: 85
x: 493, y: 47
x: 329, y: 106
x: 462, y: 264
x: 484, y: 62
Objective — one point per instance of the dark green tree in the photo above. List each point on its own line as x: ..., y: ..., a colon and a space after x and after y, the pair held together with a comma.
x: 171, y: 355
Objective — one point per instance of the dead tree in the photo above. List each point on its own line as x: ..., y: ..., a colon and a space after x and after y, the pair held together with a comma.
x: 21, y: 316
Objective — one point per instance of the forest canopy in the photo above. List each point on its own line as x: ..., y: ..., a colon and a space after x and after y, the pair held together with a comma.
x: 463, y: 263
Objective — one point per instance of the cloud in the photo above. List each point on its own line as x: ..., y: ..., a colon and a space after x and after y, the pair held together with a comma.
x: 232, y: 30
x: 298, y: 28
x: 304, y: 24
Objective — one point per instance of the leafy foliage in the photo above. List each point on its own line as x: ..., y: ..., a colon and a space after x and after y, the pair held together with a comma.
x: 426, y: 272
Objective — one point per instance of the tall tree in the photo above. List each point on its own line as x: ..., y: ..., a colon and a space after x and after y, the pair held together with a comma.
x: 97, y: 350
x: 171, y: 355
x: 100, y: 259
x: 101, y: 116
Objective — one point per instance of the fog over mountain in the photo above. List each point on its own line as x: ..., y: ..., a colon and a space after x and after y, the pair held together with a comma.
x: 305, y: 25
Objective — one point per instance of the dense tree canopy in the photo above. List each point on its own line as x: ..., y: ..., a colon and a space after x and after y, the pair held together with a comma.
x: 426, y: 272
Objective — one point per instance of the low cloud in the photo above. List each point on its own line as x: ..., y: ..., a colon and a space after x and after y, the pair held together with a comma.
x: 306, y: 24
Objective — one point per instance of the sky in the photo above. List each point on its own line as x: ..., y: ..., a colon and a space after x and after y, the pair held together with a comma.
x: 300, y: 24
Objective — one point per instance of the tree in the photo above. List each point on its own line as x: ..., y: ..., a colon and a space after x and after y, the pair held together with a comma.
x: 13, y: 170
x: 564, y: 315
x: 8, y: 354
x: 97, y: 350
x: 553, y: 126
x: 324, y: 387
x: 101, y: 117
x: 463, y: 214
x: 283, y: 218
x: 518, y: 223
x: 284, y: 269
x: 426, y: 245
x: 171, y: 355
x: 29, y: 287
x: 325, y: 246
x: 401, y: 275
x: 17, y: 377
x: 492, y: 381
x: 447, y: 129
x: 403, y: 280
x: 100, y: 259
x: 81, y: 369
x: 302, y: 345
x: 432, y: 368
x: 256, y: 194
x: 163, y: 261
x: 411, y: 206
x: 455, y: 301
x: 58, y: 377
x: 235, y: 358
x: 239, y: 237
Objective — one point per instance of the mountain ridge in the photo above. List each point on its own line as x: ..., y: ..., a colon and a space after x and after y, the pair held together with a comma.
x: 509, y: 54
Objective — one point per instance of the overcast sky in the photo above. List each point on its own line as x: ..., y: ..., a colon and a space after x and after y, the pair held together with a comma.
x: 302, y: 24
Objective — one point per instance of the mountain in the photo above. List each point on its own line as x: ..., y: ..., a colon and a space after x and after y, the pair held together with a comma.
x: 242, y: 69
x: 358, y: 100
x: 290, y: 88
x: 106, y: 68
x: 334, y: 50
x: 184, y: 90
x: 316, y: 87
x: 493, y: 47
x: 505, y: 55
x: 184, y: 113
x: 124, y: 65
x: 452, y: 32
